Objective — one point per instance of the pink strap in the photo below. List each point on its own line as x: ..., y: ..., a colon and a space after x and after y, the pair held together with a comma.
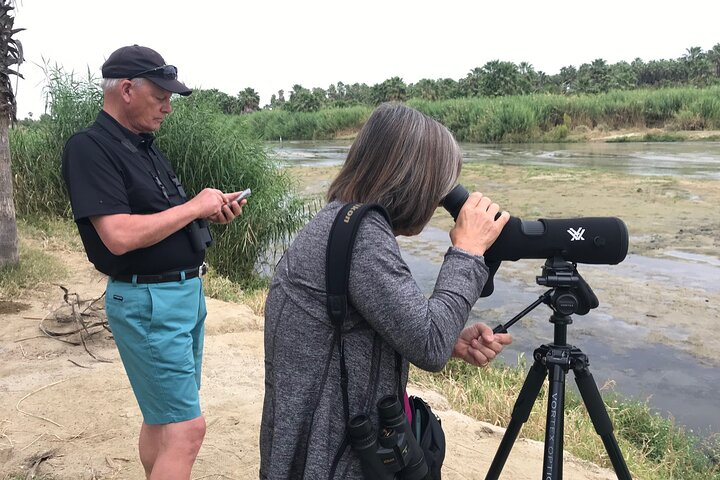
x: 408, y: 410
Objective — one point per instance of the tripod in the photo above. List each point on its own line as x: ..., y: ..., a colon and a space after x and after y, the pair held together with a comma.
x: 569, y: 294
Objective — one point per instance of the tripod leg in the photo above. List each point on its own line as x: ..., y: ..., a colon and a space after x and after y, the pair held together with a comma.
x: 520, y: 414
x: 554, y: 424
x: 600, y: 418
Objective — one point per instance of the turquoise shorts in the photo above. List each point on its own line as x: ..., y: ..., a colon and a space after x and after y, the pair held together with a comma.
x: 158, y: 329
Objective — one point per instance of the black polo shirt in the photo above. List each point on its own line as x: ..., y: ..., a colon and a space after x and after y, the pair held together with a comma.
x: 104, y: 176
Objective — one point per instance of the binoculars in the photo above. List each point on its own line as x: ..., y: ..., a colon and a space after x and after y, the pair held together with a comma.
x: 199, y: 232
x: 393, y: 453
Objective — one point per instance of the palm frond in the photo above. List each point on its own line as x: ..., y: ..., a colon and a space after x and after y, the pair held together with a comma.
x: 11, y: 53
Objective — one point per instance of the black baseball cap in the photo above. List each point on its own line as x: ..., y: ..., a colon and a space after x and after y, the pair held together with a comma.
x: 135, y: 61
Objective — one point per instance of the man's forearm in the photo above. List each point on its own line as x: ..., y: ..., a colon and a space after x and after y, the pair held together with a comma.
x: 122, y: 233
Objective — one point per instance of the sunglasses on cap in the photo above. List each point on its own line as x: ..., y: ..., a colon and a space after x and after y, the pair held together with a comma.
x: 168, y: 72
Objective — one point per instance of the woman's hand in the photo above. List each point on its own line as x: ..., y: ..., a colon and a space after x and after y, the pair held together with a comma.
x: 478, y: 345
x: 476, y: 227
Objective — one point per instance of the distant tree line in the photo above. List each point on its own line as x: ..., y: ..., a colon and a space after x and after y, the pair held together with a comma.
x: 494, y: 79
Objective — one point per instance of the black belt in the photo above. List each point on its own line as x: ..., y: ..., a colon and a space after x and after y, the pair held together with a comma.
x: 164, y: 277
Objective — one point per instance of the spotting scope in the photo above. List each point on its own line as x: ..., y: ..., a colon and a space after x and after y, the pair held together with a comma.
x: 595, y: 240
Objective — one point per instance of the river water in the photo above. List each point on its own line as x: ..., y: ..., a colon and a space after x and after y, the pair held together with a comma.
x: 690, y: 159
x: 673, y: 381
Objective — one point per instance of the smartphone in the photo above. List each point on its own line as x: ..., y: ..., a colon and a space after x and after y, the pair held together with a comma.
x: 243, y: 194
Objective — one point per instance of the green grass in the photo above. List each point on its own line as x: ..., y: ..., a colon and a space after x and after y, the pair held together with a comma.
x: 664, y: 137
x: 40, y: 240
x: 653, y: 447
x: 33, y: 269
x: 36, y: 267
x: 55, y: 233
x: 649, y: 137
x: 222, y: 288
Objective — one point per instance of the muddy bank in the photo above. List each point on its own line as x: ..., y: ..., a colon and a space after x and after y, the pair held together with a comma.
x: 668, y: 218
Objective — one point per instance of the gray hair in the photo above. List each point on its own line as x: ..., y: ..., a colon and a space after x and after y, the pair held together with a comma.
x: 108, y: 84
x: 403, y: 160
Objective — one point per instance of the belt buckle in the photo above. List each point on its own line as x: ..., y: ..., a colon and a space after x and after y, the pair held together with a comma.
x: 202, y: 269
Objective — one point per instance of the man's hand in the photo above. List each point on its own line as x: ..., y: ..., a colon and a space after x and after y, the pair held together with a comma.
x: 208, y: 203
x: 229, y: 210
x: 478, y: 345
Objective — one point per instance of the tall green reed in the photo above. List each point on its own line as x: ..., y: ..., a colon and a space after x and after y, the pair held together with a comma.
x: 37, y: 148
x: 274, y: 125
x: 514, y: 119
x: 207, y: 151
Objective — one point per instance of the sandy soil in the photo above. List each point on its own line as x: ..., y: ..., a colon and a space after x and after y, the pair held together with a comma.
x: 67, y: 415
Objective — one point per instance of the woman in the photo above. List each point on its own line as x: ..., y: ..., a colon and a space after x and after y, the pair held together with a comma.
x: 406, y: 162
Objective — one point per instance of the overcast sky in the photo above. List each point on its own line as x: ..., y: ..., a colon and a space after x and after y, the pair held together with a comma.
x: 271, y: 45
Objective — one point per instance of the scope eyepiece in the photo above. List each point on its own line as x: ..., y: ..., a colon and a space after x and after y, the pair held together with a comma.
x: 454, y: 200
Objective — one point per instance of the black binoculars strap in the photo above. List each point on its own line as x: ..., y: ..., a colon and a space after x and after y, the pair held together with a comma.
x: 337, y: 275
x: 153, y: 151
x: 398, y: 374
x: 115, y: 132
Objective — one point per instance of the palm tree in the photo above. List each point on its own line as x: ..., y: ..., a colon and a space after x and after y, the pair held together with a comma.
x: 529, y: 78
x: 10, y: 55
x: 249, y: 100
x: 425, y: 89
x: 302, y: 100
x: 391, y: 90
x: 714, y: 57
x: 500, y: 79
x: 568, y: 79
x: 470, y: 85
x: 697, y: 66
x: 693, y: 53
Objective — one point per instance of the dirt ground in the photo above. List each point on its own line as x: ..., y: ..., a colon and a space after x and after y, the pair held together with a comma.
x: 67, y: 415
x: 67, y: 411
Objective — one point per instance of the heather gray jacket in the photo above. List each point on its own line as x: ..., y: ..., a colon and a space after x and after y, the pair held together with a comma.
x: 303, y: 422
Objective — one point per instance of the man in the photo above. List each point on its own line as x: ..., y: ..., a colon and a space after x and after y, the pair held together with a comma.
x: 139, y: 228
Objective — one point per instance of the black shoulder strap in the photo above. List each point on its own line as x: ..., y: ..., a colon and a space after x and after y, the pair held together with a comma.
x: 115, y: 132
x: 339, y: 255
x: 337, y: 275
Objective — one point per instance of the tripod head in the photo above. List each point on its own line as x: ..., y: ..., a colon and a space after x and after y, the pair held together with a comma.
x: 569, y: 293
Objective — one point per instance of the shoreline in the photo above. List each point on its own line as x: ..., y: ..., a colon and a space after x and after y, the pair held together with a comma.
x: 579, y: 135
x: 650, y: 206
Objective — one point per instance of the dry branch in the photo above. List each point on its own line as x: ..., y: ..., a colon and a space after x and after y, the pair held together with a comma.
x: 87, y: 317
x: 36, y: 460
